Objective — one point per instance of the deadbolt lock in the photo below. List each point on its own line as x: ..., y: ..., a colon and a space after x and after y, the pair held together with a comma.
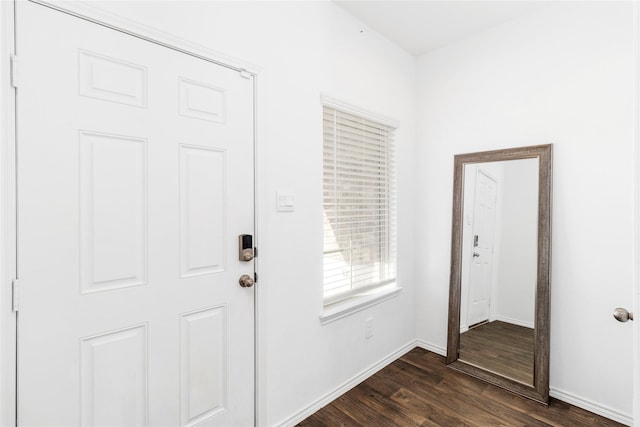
x: 246, y: 255
x: 245, y: 246
x: 246, y: 281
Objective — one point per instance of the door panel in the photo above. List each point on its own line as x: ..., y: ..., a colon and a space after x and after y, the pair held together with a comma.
x: 135, y: 179
x: 113, y: 378
x: 202, y: 210
x: 202, y: 349
x: 113, y: 211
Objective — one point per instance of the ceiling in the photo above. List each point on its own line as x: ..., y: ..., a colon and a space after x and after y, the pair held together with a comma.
x: 422, y: 25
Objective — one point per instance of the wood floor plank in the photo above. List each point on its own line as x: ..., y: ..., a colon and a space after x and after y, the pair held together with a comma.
x: 419, y: 390
x: 366, y: 412
x: 398, y: 412
x: 436, y: 413
x: 391, y: 383
x: 445, y: 399
x: 508, y: 416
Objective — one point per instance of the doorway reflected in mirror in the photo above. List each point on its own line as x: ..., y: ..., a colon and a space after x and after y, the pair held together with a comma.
x: 499, y: 262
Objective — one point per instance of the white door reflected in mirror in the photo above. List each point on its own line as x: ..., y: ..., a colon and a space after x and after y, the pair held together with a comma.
x: 499, y: 267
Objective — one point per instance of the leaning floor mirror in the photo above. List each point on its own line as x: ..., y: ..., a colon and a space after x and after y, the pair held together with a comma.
x: 500, y: 254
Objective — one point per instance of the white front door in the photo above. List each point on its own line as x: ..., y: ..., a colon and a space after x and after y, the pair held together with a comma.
x: 484, y: 219
x: 135, y: 178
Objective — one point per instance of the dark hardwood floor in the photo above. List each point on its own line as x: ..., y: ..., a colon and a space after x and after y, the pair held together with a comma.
x: 419, y: 390
x: 500, y: 347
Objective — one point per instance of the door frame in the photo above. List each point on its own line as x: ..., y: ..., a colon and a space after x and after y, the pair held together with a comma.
x: 8, y: 318
x: 8, y: 194
x: 636, y: 216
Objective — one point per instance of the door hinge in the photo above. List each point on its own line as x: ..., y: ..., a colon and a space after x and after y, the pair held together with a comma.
x: 255, y: 277
x: 245, y: 74
x: 15, y: 294
x: 255, y: 252
x: 14, y: 71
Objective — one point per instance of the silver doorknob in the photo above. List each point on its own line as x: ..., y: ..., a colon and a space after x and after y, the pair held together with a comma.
x: 622, y: 315
x: 246, y: 281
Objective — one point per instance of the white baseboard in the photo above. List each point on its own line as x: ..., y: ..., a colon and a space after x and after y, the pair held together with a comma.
x: 431, y: 347
x: 591, y: 406
x: 339, y: 391
x: 517, y: 322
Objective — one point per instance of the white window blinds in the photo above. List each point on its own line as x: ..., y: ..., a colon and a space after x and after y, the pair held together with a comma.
x: 359, y: 204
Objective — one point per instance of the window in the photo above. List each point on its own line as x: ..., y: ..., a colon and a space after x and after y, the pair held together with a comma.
x: 359, y: 205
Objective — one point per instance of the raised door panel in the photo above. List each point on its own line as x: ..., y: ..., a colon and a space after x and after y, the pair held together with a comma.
x: 113, y: 378
x: 111, y: 79
x: 203, y: 350
x: 202, y: 210
x: 113, y: 213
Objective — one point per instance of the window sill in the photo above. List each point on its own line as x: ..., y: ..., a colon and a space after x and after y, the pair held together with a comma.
x: 357, y: 303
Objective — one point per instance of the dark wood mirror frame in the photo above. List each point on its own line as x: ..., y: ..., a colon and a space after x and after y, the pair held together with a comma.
x: 540, y: 389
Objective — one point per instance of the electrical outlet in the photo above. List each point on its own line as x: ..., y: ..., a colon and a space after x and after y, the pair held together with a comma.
x: 368, y: 328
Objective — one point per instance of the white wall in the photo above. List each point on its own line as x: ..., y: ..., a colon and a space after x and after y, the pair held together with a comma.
x: 516, y: 268
x: 305, y: 49
x: 562, y: 75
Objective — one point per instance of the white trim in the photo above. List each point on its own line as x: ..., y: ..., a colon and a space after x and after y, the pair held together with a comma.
x: 346, y: 386
x: 635, y: 215
x: 258, y: 321
x: 340, y: 105
x: 434, y: 348
x: 92, y: 13
x: 8, y: 338
x: 260, y: 224
x: 516, y: 322
x: 591, y: 406
x: 530, y: 325
x: 357, y: 303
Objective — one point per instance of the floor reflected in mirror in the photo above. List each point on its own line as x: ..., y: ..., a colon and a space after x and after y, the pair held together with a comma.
x: 500, y: 347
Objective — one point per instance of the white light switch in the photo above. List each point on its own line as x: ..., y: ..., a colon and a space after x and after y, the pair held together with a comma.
x: 285, y: 202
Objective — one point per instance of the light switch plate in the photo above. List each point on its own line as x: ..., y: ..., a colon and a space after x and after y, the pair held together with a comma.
x: 285, y: 202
